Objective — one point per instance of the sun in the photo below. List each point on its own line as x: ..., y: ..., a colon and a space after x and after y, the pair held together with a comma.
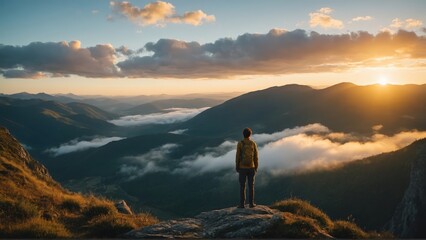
x: 383, y: 80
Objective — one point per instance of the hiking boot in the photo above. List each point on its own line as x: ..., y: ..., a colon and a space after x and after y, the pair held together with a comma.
x: 252, y: 205
x: 241, y: 206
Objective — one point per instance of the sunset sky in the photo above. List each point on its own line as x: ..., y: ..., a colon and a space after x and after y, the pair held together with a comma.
x: 178, y: 47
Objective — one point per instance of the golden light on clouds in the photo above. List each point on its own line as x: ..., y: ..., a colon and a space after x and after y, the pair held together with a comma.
x: 322, y: 18
x: 158, y: 13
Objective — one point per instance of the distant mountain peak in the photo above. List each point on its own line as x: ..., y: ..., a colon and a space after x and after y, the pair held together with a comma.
x: 341, y: 86
x: 296, y: 87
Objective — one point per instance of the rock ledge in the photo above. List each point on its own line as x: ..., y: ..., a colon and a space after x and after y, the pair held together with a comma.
x: 224, y: 223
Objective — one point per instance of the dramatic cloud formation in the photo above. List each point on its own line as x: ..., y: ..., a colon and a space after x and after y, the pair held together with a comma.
x: 173, y: 116
x: 361, y: 18
x: 277, y: 52
x: 308, y: 148
x: 61, y: 58
x: 137, y: 166
x: 159, y: 13
x: 80, y: 145
x: 323, y: 19
x: 408, y: 23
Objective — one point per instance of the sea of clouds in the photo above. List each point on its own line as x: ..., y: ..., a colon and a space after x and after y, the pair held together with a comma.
x: 173, y: 115
x: 291, y: 151
x: 81, y: 145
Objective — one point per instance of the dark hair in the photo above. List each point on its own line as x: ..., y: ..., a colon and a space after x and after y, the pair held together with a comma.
x: 247, y: 132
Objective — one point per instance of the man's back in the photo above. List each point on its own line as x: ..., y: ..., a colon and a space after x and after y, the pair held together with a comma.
x: 246, y: 163
x: 247, y: 155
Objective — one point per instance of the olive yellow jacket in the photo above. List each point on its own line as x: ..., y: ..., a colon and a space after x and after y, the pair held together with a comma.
x: 247, y: 154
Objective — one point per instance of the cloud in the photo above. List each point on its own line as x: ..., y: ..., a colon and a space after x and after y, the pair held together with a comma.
x: 413, y: 23
x: 265, y: 138
x: 19, y: 73
x: 27, y: 147
x: 377, y: 127
x: 173, y: 116
x: 124, y: 51
x: 309, y: 148
x: 80, y: 145
x: 179, y: 131
x: 408, y: 23
x: 194, y: 18
x: 396, y: 23
x: 277, y: 52
x: 137, y: 166
x: 158, y: 13
x: 361, y: 18
x: 59, y: 58
x: 323, y: 19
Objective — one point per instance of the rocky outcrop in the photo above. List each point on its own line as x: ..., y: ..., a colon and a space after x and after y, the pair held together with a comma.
x: 224, y: 223
x: 122, y: 207
x: 10, y: 148
x: 409, y: 219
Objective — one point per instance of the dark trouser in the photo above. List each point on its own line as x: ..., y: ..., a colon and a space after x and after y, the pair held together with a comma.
x: 244, y: 174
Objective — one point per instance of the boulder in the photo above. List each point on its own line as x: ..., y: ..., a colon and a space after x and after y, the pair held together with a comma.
x: 122, y: 207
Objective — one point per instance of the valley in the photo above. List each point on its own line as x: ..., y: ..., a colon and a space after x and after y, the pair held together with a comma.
x: 348, y: 149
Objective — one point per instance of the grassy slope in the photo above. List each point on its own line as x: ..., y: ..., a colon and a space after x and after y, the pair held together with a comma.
x: 32, y: 204
x: 302, y: 220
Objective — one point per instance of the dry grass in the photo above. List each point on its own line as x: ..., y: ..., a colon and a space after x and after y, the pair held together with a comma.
x: 115, y: 225
x: 37, y: 207
x: 35, y: 228
x: 302, y: 220
x: 304, y: 208
x: 345, y: 229
x: 294, y: 226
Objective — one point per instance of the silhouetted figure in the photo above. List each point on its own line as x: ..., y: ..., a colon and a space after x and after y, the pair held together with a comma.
x: 246, y: 163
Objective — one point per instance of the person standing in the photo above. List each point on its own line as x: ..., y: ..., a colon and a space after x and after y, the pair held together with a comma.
x: 246, y: 164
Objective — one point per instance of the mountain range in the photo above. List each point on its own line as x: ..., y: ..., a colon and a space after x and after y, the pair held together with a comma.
x: 167, y: 104
x: 33, y: 205
x: 123, y: 105
x: 343, y: 107
x: 143, y: 167
x: 40, y: 123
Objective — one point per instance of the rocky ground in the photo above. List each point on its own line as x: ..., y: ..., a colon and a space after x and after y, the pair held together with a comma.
x: 224, y: 223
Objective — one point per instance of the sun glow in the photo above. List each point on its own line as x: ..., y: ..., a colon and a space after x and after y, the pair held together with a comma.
x: 383, y: 80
